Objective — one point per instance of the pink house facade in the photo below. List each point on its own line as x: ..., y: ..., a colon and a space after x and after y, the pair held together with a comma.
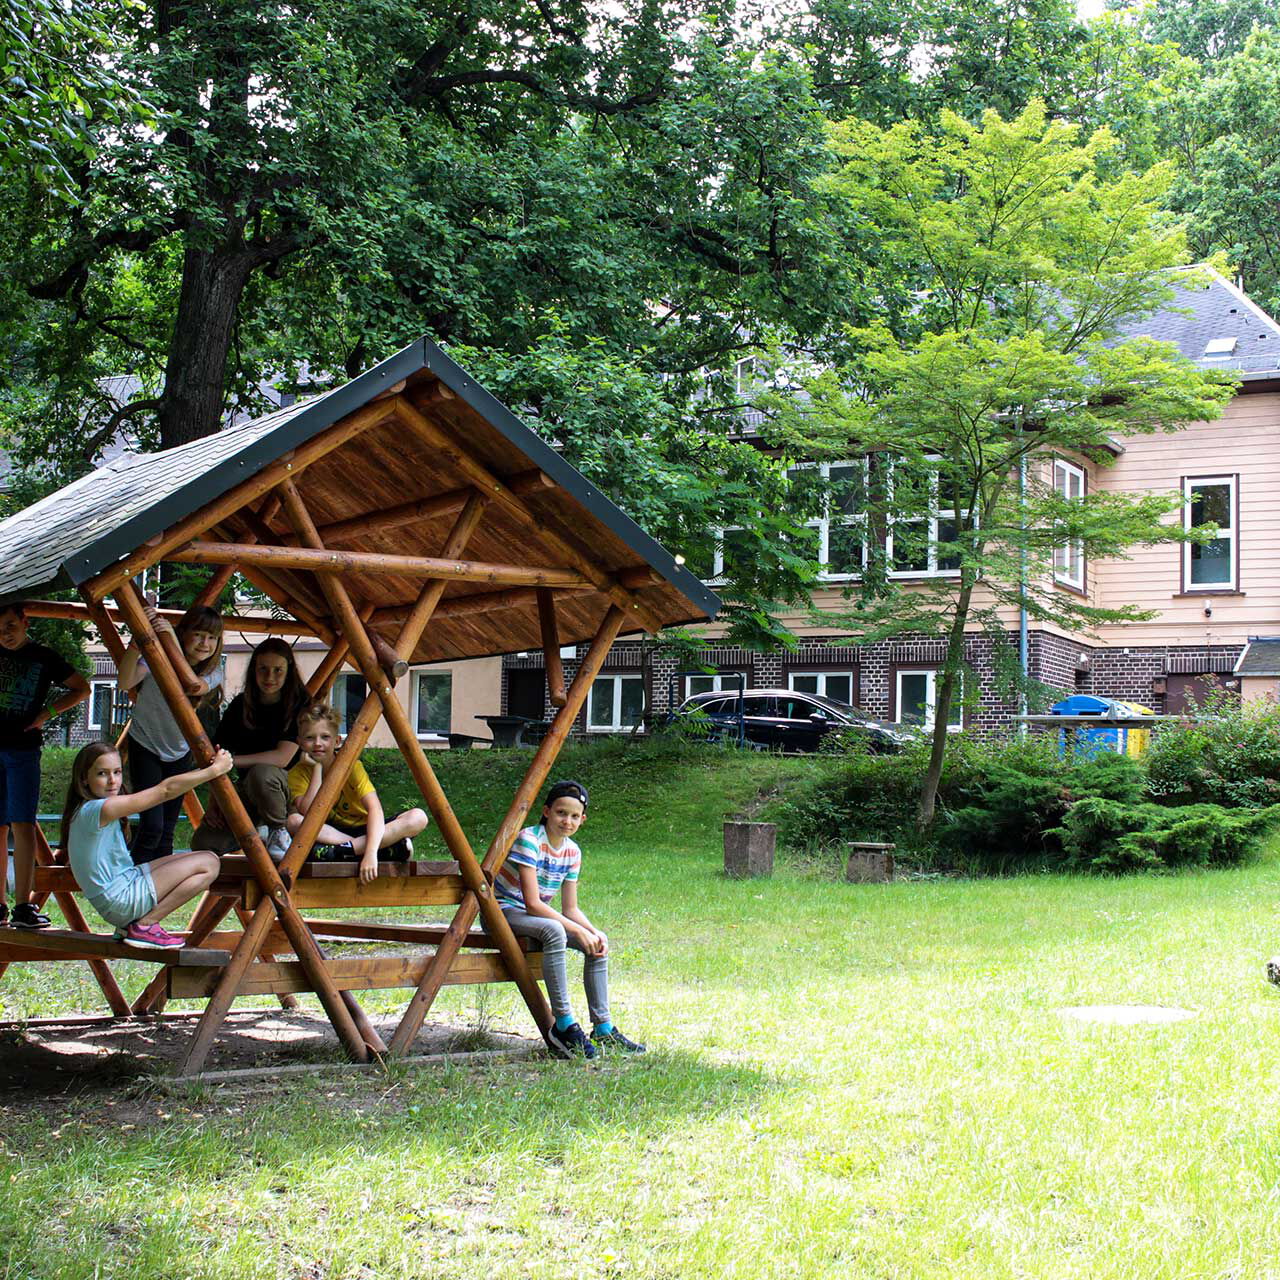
x: 1214, y: 606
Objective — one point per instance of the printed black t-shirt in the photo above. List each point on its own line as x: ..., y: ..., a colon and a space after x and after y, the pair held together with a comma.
x: 272, y: 726
x: 26, y: 676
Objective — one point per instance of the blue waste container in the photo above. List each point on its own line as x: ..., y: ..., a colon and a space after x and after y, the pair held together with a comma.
x: 1083, y: 740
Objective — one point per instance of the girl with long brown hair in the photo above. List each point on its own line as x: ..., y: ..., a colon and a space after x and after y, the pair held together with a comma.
x: 133, y: 897
x: 260, y: 729
x: 157, y: 747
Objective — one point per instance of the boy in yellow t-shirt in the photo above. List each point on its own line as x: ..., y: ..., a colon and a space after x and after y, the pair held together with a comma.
x: 355, y: 828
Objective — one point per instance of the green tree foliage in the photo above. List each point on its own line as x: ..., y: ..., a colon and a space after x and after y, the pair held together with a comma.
x: 1230, y: 156
x: 1204, y: 30
x: 57, y: 87
x: 1030, y: 257
x: 596, y: 208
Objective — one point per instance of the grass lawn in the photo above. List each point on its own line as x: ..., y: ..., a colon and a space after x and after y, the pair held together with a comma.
x: 861, y: 1081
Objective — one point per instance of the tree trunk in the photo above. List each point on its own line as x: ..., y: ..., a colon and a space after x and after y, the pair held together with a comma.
x: 192, y: 403
x: 952, y: 665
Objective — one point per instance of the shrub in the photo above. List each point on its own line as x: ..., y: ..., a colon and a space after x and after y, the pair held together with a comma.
x: 1006, y: 807
x: 1102, y: 835
x: 1230, y: 757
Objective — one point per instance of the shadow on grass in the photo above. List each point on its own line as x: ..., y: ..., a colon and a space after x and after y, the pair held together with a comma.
x: 283, y: 1162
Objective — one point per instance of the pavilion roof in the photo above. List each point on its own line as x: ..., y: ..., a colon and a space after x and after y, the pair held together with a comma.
x: 85, y: 528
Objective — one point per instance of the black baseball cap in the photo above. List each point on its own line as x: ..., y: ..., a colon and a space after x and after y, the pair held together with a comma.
x: 574, y: 790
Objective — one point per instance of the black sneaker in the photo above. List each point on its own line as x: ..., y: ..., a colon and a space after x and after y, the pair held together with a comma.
x: 615, y: 1040
x: 344, y: 852
x: 398, y: 851
x: 1273, y: 970
x: 25, y: 916
x: 570, y: 1043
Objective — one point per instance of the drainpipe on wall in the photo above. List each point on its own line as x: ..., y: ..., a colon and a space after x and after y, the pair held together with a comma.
x: 1023, y: 645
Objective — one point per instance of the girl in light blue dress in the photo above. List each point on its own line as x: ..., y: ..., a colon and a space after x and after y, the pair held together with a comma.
x: 134, y: 898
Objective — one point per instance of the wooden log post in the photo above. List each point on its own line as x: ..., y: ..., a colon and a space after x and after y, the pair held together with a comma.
x: 320, y: 561
x: 256, y: 932
x: 551, y: 647
x: 364, y: 653
x: 75, y: 919
x: 389, y: 660
x: 526, y: 794
x: 233, y: 810
x: 78, y: 611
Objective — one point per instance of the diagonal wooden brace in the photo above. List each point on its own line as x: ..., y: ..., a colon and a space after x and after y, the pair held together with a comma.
x: 362, y: 650
x: 276, y: 894
x: 525, y: 795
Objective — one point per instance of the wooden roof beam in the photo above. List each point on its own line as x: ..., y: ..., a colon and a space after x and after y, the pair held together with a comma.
x: 442, y: 444
x: 75, y: 611
x: 525, y: 484
x: 323, y: 561
x: 509, y: 598
x: 249, y: 490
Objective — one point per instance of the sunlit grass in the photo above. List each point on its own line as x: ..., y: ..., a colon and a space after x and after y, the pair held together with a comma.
x: 862, y: 1081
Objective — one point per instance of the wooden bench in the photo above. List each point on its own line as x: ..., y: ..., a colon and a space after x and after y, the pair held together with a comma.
x: 68, y: 944
x: 350, y: 973
x: 326, y: 885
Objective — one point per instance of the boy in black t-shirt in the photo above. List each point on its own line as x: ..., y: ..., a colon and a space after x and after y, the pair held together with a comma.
x: 27, y: 673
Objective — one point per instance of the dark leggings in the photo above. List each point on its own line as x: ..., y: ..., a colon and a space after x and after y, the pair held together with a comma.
x: 153, y: 836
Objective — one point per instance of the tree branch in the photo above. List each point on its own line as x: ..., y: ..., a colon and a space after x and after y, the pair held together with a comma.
x: 104, y: 433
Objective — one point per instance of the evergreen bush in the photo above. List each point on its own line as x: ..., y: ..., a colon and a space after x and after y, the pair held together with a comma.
x: 1015, y: 806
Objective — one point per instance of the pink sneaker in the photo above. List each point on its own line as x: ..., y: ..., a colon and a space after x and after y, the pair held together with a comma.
x: 151, y: 935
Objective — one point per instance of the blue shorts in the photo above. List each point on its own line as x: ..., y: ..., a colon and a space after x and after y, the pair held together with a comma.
x: 130, y: 895
x: 19, y: 786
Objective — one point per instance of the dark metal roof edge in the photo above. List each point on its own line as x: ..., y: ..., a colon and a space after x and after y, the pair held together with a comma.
x: 315, y: 417
x: 578, y: 486
x: 309, y: 421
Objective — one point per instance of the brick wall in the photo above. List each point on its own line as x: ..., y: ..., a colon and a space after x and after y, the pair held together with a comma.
x: 1066, y: 666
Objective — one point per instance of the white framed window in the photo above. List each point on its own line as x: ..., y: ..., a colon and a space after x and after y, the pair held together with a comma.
x: 838, y: 685
x: 432, y: 703
x: 725, y: 682
x: 732, y: 546
x: 102, y: 697
x: 1068, y: 560
x: 916, y: 547
x: 615, y: 704
x: 1212, y: 565
x: 349, y: 693
x: 746, y: 376
x: 840, y: 529
x: 918, y: 699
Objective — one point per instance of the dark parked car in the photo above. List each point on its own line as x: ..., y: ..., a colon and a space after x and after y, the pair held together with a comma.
x: 789, y: 721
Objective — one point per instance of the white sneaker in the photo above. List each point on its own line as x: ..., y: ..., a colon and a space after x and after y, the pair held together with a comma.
x: 277, y: 841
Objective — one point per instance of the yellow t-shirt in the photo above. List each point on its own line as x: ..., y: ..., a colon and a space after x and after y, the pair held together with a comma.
x: 349, y: 809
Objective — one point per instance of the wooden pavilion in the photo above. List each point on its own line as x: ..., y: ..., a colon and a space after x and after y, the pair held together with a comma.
x: 406, y: 517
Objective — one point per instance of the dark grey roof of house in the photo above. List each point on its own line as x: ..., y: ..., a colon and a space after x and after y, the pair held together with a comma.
x: 1261, y: 657
x: 1212, y: 310
x: 77, y: 532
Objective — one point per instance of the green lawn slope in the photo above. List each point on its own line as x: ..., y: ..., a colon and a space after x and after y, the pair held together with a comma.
x: 844, y: 1081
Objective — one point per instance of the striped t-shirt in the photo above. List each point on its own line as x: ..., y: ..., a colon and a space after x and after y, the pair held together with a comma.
x: 533, y: 849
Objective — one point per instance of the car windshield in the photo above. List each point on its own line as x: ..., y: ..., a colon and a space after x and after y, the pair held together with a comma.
x: 840, y: 708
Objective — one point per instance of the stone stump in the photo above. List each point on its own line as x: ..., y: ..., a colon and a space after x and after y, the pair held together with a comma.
x: 748, y: 848
x: 869, y: 862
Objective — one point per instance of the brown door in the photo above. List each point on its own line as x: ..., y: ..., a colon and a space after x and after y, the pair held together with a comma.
x: 1182, y: 692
